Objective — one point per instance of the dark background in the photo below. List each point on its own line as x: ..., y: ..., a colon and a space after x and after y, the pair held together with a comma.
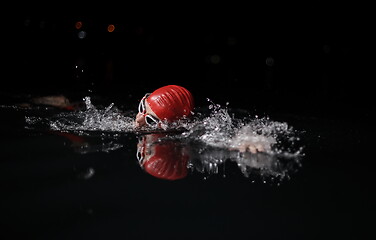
x: 301, y: 59
x: 310, y: 64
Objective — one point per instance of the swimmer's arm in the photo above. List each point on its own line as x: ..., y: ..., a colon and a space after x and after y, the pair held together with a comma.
x: 248, y: 147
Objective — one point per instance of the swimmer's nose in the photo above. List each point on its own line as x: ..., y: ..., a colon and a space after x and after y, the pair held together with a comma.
x: 140, y: 120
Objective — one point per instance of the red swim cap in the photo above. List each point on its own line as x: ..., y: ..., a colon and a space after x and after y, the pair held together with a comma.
x: 171, y: 102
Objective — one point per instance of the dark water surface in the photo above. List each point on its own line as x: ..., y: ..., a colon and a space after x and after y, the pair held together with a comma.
x: 64, y: 181
x: 55, y: 188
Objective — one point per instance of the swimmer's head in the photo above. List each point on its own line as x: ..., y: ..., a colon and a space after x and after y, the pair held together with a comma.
x: 167, y: 104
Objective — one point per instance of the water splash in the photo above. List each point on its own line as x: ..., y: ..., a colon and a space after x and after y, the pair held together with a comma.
x: 258, y: 145
x: 255, y: 144
x: 109, y: 119
x: 220, y: 129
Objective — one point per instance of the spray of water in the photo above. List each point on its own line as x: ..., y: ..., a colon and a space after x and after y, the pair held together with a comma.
x: 109, y: 119
x: 255, y: 143
x: 258, y: 145
x: 220, y: 129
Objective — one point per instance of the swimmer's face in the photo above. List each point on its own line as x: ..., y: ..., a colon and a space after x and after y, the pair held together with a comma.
x: 146, y: 116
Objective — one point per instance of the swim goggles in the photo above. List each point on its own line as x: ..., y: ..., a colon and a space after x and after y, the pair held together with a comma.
x: 140, y: 154
x: 149, y: 119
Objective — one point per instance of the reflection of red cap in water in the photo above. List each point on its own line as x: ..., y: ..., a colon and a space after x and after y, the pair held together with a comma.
x: 167, y: 160
x: 171, y: 102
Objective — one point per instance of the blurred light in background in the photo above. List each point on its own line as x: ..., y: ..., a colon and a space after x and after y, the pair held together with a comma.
x: 232, y: 41
x: 326, y: 49
x: 78, y: 25
x: 215, y: 59
x: 81, y: 34
x: 269, y: 61
x: 27, y: 22
x: 42, y: 24
x: 110, y: 28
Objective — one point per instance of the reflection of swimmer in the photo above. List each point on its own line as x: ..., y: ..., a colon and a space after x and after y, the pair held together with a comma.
x: 172, y: 103
x: 162, y: 159
x: 172, y: 159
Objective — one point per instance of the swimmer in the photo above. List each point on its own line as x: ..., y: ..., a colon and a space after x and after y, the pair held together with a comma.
x: 172, y: 103
x: 158, y: 111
